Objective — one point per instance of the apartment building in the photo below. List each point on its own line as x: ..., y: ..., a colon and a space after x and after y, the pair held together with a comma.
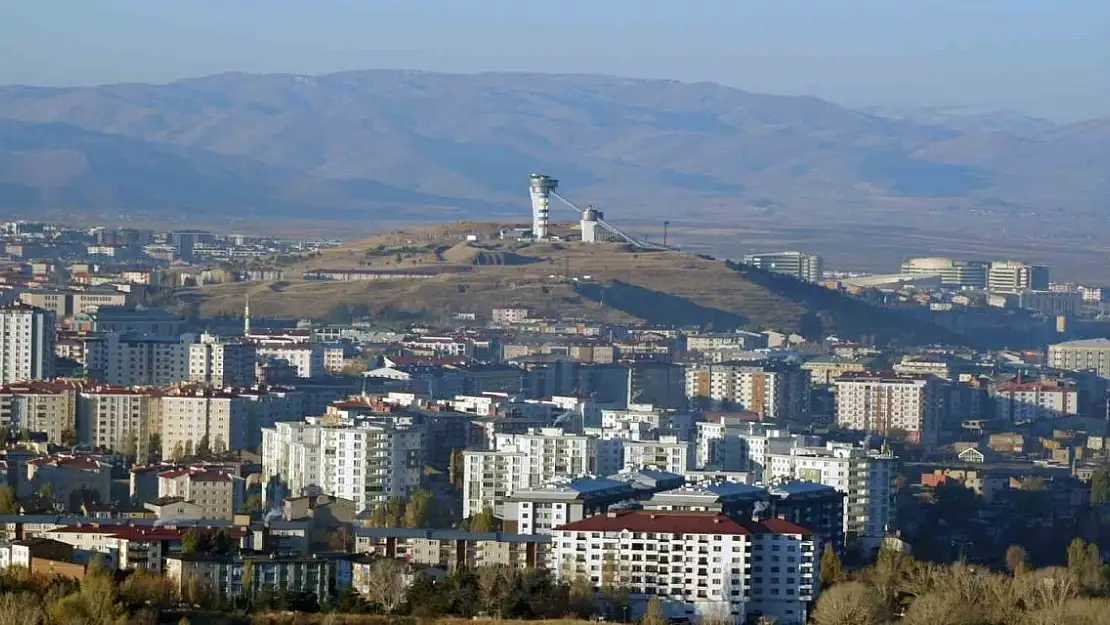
x: 143, y: 321
x: 805, y: 267
x: 66, y: 473
x: 553, y: 453
x: 232, y: 576
x: 35, y: 406
x: 704, y: 566
x: 137, y: 360
x: 1081, y: 355
x: 27, y: 338
x: 220, y: 363
x: 716, y: 341
x: 1019, y: 402
x: 865, y: 477
x: 117, y: 419
x: 452, y: 549
x: 824, y: 369
x: 190, y: 414
x: 219, y: 493
x: 666, y: 454
x: 729, y: 444
x: 537, y: 510
x: 69, y: 303
x: 364, y: 459
x: 307, y: 359
x: 776, y: 391
x: 886, y: 403
x: 490, y: 477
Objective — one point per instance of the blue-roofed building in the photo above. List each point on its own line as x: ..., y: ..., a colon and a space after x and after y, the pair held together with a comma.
x: 816, y: 506
x: 563, y: 500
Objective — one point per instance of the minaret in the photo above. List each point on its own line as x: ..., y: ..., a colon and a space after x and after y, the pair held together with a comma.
x: 247, y: 317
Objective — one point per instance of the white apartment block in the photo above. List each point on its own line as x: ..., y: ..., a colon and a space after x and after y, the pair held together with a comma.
x: 49, y: 407
x: 189, y: 414
x: 778, y: 392
x: 491, y: 477
x: 703, y: 566
x: 1081, y: 355
x: 307, y: 359
x: 680, y: 423
x: 116, y: 419
x: 666, y: 454
x: 881, y: 403
x: 137, y: 360
x: 553, y: 453
x: 222, y: 364
x: 27, y: 338
x: 218, y: 493
x: 1018, y: 402
x: 729, y: 444
x: 366, y: 460
x: 865, y: 477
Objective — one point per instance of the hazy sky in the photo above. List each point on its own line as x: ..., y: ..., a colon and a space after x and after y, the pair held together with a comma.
x: 1045, y: 57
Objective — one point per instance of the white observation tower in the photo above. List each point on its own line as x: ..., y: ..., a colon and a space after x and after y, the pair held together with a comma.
x: 541, y: 187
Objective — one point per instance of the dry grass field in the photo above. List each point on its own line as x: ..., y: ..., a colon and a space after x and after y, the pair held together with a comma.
x: 555, y: 279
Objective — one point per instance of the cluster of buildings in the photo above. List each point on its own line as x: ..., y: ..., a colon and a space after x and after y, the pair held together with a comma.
x: 706, y: 468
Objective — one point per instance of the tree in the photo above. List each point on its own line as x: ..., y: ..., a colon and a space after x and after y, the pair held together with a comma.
x: 130, y: 446
x: 221, y: 542
x: 418, y: 509
x: 385, y: 584
x: 95, y: 603
x: 252, y: 505
x: 1017, y: 560
x: 484, y: 521
x: 203, y: 448
x: 455, y: 469
x: 830, y: 566
x: 1085, y: 565
x: 654, y: 614
x: 69, y: 437
x: 46, y: 491
x: 8, y: 504
x: 1100, y: 485
x: 342, y: 539
x: 850, y: 603
x: 178, y: 451
x: 195, y: 541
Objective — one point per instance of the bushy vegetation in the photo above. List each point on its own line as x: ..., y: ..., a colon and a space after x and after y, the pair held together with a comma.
x: 900, y: 589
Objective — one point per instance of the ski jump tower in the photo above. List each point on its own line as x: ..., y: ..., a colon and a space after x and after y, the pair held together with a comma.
x: 541, y: 188
x: 594, y: 227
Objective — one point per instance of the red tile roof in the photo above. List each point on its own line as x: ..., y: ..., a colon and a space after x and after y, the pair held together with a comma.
x: 659, y: 521
x: 667, y: 522
x: 782, y: 526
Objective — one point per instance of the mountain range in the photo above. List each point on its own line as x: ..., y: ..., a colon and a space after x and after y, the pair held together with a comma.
x: 389, y: 145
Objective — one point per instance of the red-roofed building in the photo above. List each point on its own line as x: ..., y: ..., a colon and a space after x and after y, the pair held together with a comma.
x: 66, y: 473
x: 218, y: 492
x: 705, y: 566
x: 1034, y: 401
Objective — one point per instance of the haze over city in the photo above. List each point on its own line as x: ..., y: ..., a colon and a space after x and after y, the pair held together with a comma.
x: 521, y: 313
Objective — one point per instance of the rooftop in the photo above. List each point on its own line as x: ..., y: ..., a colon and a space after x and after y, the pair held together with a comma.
x: 681, y: 523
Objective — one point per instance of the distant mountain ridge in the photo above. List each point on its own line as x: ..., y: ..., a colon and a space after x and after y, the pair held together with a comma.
x: 359, y: 145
